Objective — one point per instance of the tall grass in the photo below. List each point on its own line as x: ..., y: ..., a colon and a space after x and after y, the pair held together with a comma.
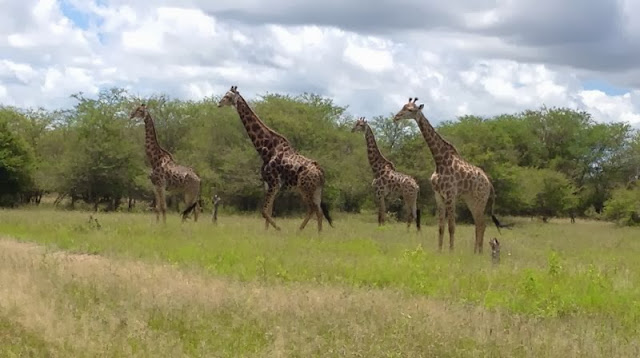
x: 547, y: 270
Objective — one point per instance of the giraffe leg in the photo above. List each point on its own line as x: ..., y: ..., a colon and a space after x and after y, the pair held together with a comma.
x: 441, y: 219
x: 480, y: 224
x: 191, y: 200
x: 317, y: 201
x: 310, y: 209
x: 267, y: 207
x: 477, y: 212
x: 161, y: 203
x: 409, y: 212
x: 158, y: 206
x: 450, y: 208
x: 382, y: 209
x: 411, y: 205
x: 414, y: 212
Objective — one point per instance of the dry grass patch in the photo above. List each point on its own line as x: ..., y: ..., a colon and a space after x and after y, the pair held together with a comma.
x: 88, y: 305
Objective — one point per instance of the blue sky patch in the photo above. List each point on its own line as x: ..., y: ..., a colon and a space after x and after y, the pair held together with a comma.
x: 79, y: 18
x: 604, y: 86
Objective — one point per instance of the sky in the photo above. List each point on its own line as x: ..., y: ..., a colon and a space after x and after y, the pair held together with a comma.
x: 479, y: 57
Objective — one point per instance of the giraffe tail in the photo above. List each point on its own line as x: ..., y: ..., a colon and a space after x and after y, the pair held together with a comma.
x: 189, y: 209
x: 493, y: 217
x: 325, y: 212
x: 418, y: 219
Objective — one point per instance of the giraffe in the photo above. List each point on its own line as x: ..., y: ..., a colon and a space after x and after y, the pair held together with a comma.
x: 387, y: 180
x: 166, y: 174
x: 283, y: 167
x: 453, y: 177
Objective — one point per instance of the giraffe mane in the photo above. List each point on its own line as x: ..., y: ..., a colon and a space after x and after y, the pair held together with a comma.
x: 155, y: 134
x: 269, y: 129
x: 446, y: 142
x: 389, y: 163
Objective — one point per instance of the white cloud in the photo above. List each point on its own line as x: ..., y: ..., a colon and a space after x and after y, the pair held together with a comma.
x: 619, y: 108
x: 467, y: 58
x: 371, y: 55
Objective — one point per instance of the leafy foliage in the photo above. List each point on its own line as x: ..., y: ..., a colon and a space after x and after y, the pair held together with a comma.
x: 16, y: 160
x: 549, y: 161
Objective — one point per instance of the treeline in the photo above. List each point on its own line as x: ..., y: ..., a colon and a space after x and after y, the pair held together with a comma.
x: 545, y: 162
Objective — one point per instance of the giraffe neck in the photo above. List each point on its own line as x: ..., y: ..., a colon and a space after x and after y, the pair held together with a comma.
x: 264, y: 139
x: 377, y: 161
x: 440, y: 148
x: 153, y: 149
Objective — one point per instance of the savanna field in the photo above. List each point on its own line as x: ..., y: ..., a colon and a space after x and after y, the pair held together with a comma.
x: 128, y: 287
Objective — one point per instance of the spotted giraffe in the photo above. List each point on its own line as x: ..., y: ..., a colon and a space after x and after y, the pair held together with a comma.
x: 166, y: 174
x: 282, y: 166
x: 453, y: 178
x: 387, y: 180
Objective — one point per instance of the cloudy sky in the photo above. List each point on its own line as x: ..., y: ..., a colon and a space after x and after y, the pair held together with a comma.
x: 480, y: 57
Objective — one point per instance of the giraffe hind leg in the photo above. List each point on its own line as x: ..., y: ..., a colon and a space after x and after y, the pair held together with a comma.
x: 320, y: 208
x: 308, y: 200
x: 409, y: 213
x: 477, y: 212
x: 192, y: 193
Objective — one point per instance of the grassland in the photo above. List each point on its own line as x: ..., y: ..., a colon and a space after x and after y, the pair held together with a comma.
x: 134, y: 288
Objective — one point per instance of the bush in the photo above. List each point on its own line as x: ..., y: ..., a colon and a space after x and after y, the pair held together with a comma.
x: 624, y: 206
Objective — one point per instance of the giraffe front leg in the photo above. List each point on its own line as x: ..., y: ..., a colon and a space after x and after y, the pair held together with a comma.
x: 416, y: 216
x: 451, y: 216
x: 441, y: 219
x: 161, y: 204
x: 156, y: 206
x: 382, y: 210
x: 267, y: 208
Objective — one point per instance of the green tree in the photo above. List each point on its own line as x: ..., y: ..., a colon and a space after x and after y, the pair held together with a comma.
x: 16, y: 162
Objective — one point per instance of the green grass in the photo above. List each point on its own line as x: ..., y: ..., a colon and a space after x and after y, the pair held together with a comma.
x: 556, y: 272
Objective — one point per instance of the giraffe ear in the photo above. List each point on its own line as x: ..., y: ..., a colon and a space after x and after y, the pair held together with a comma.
x: 421, y: 106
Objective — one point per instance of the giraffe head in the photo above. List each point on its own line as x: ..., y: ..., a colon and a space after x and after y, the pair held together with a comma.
x: 139, y: 112
x: 409, y: 110
x: 230, y: 98
x: 359, y: 125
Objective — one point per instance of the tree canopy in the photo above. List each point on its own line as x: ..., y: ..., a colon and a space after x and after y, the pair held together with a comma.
x: 545, y: 161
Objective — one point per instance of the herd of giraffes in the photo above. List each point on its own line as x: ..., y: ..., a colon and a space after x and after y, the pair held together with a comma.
x: 283, y: 167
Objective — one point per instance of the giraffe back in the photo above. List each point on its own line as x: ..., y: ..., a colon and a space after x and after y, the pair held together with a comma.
x: 393, y: 182
x: 294, y: 170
